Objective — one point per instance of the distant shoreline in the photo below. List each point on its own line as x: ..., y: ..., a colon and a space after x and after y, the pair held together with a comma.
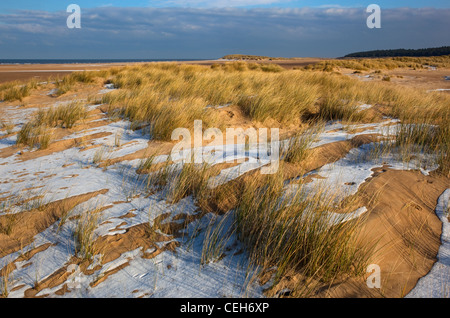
x: 44, y: 71
x: 86, y: 61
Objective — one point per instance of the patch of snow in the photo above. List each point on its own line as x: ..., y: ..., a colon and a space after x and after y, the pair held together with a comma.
x: 364, y: 107
x: 436, y: 284
x: 344, y: 177
x: 169, y: 274
x: 8, y: 141
x: 438, y: 90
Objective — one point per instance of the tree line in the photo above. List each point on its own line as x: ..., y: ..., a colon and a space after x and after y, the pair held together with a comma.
x: 438, y: 51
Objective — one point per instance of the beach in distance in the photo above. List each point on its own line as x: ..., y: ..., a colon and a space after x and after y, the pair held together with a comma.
x: 11, y: 70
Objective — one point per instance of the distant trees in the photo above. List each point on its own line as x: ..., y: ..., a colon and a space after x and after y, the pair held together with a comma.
x: 438, y: 51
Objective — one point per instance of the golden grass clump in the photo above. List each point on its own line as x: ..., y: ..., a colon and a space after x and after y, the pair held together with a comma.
x: 64, y: 85
x: 38, y: 132
x: 425, y: 138
x: 298, y: 146
x: 33, y: 134
x: 9, y: 219
x: 296, y: 232
x: 334, y: 108
x: 84, y: 234
x: 67, y: 83
x: 13, y: 91
x: 64, y: 116
x: 368, y: 64
x: 178, y: 181
x: 279, y: 97
x: 191, y: 180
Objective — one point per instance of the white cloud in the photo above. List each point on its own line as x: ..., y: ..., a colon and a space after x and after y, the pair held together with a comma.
x: 216, y: 3
x: 211, y: 33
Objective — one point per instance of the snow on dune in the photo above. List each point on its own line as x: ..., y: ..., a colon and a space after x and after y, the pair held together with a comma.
x: 436, y: 284
x: 72, y: 172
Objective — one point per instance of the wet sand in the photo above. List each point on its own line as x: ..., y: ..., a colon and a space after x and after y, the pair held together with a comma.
x: 42, y: 72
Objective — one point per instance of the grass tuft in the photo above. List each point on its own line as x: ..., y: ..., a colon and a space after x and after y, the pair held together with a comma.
x: 38, y: 132
x: 34, y: 135
x: 294, y: 232
x: 298, y: 146
x: 16, y: 92
x: 84, y: 234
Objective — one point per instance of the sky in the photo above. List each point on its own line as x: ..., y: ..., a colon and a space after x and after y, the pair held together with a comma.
x: 183, y: 29
x: 55, y: 5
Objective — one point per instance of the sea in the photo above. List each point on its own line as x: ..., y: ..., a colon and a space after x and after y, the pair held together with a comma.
x: 87, y: 61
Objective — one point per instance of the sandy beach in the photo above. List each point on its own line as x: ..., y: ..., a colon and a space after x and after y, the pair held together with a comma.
x: 23, y: 72
x: 41, y: 72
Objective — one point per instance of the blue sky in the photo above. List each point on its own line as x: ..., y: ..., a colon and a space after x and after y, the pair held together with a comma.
x: 55, y: 5
x: 176, y: 29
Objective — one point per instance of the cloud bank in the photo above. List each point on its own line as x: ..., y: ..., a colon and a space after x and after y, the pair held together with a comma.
x: 217, y: 3
x: 112, y: 32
